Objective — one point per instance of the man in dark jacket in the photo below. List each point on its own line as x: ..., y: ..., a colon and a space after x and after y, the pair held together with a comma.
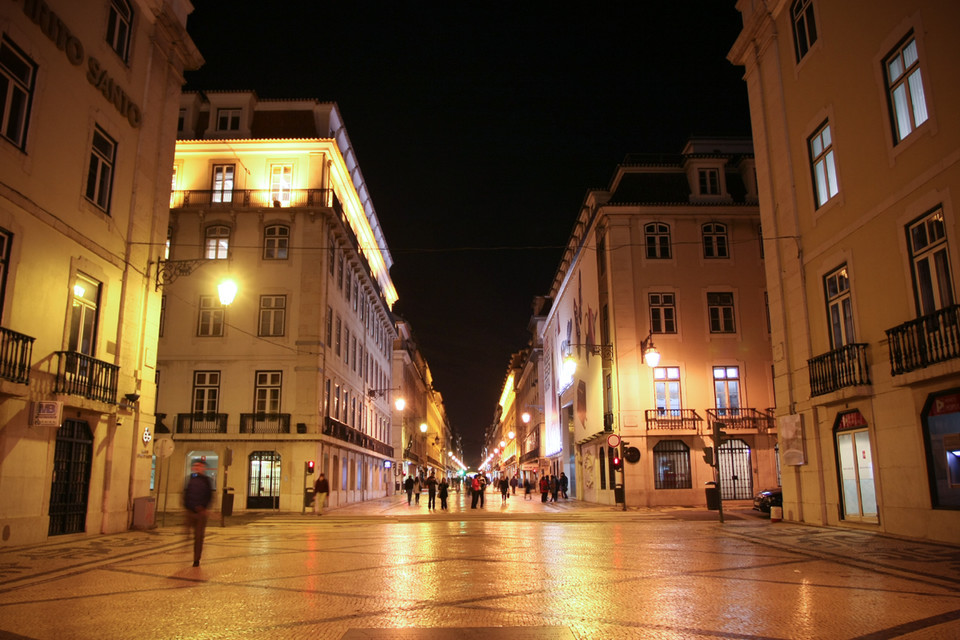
x: 196, y: 499
x: 408, y: 487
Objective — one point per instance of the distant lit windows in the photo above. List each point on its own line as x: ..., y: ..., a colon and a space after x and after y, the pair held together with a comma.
x: 276, y: 242
x: 933, y: 286
x: 715, y: 240
x: 671, y: 465
x: 720, y: 310
x: 103, y: 153
x: 726, y: 388
x: 17, y: 75
x: 281, y: 181
x: 118, y: 27
x: 824, y: 165
x: 839, y: 307
x: 228, y: 119
x: 217, y: 242
x: 168, y: 244
x: 273, y: 310
x: 666, y: 386
x: 211, y: 317
x: 908, y: 105
x: 84, y: 315
x: 804, y: 27
x: 709, y: 180
x: 657, y: 236
x: 222, y: 183
x: 663, y: 313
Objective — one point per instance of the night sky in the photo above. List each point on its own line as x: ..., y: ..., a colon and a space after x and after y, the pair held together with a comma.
x: 479, y: 128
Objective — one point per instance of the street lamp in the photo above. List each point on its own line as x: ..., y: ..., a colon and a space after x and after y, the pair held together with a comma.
x: 650, y: 354
x: 170, y: 270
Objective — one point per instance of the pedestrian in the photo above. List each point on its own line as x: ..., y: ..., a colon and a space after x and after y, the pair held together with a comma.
x: 442, y: 492
x: 513, y: 484
x: 483, y: 488
x: 526, y: 489
x: 564, y: 483
x: 417, y: 488
x: 474, y: 491
x: 544, y: 487
x: 408, y: 487
x: 196, y: 499
x: 504, y: 489
x: 320, y: 490
x: 432, y: 491
x: 554, y: 488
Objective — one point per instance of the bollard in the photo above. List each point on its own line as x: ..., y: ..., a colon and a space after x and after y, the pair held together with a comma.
x: 776, y: 514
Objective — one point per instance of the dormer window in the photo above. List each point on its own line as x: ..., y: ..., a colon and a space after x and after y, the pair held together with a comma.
x: 709, y: 182
x: 228, y: 119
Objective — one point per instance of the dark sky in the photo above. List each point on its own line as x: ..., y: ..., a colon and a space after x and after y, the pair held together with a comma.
x: 479, y: 128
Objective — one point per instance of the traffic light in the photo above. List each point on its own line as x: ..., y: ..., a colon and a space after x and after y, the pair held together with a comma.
x: 309, y: 466
x: 617, y: 462
x: 719, y: 435
x: 708, y: 455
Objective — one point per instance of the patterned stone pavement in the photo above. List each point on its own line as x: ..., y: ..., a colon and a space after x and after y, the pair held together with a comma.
x: 522, y: 570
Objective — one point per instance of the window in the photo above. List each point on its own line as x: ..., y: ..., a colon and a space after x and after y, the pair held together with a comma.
x: 281, y: 179
x: 720, y: 309
x: 266, y: 393
x: 601, y: 252
x: 337, y: 338
x: 168, y: 244
x: 908, y: 106
x: 163, y: 313
x: 666, y: 386
x: 217, y: 242
x: 228, y: 119
x: 932, y: 284
x: 671, y: 465
x: 839, y: 308
x: 181, y: 120
x: 6, y: 240
x: 663, y: 313
x: 658, y: 240
x: 329, y: 340
x: 276, y: 242
x: 100, y: 174
x: 206, y: 391
x: 17, y: 75
x: 804, y: 27
x: 84, y: 315
x: 715, y: 240
x: 118, y: 27
x: 210, y: 321
x: 726, y: 386
x: 824, y: 165
x: 709, y: 180
x: 222, y: 183
x: 272, y: 315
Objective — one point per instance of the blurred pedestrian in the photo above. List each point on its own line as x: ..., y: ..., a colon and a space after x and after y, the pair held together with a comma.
x: 432, y: 491
x: 196, y: 498
x: 483, y: 489
x: 417, y: 488
x: 513, y: 484
x: 408, y: 487
x: 442, y: 492
x: 544, y: 487
x: 504, y: 489
x: 475, y: 491
x: 564, y: 483
x: 320, y: 491
x: 554, y: 488
x: 526, y: 489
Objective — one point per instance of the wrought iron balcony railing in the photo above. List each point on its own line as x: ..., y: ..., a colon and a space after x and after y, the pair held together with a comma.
x: 81, y: 375
x: 340, y: 431
x: 249, y: 198
x: 672, y: 419
x: 201, y: 422
x: 742, y: 418
x: 925, y: 341
x: 837, y: 369
x: 16, y: 351
x: 264, y: 423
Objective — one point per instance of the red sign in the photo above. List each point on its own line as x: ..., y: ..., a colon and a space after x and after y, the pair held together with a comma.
x: 946, y: 404
x: 851, y: 420
x: 613, y: 441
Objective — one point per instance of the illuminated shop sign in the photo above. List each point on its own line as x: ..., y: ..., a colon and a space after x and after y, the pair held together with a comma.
x: 60, y: 35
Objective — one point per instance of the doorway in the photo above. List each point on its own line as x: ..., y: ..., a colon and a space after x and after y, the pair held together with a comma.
x: 71, y: 478
x: 263, y: 491
x: 736, y: 472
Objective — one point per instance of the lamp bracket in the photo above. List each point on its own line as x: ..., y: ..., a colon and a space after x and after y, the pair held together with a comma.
x: 604, y: 350
x: 170, y: 270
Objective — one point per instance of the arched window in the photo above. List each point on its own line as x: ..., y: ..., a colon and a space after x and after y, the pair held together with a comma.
x: 671, y: 465
x: 715, y: 243
x: 276, y: 242
x: 657, y: 236
x: 217, y: 242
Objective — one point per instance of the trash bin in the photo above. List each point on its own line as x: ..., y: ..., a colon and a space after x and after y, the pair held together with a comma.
x: 226, y: 502
x: 619, y: 496
x: 713, y: 496
x: 144, y: 512
x: 308, y: 497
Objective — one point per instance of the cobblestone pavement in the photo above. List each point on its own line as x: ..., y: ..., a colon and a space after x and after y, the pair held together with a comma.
x: 523, y: 570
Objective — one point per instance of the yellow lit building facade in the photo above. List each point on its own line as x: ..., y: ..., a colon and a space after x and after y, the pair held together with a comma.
x: 87, y: 129
x: 854, y: 115
x: 268, y: 193
x: 668, y: 257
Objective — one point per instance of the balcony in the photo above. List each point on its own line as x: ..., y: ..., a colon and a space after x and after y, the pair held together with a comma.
x: 81, y: 375
x: 16, y: 351
x: 925, y: 341
x: 264, y: 423
x: 201, y: 423
x: 340, y: 431
x: 249, y: 199
x: 838, y: 369
x: 673, y: 419
x: 742, y: 418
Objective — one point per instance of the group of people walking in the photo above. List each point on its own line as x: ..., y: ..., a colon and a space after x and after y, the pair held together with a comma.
x: 413, y: 486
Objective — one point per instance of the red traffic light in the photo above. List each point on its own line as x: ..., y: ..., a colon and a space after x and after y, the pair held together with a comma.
x: 309, y: 467
x: 617, y: 463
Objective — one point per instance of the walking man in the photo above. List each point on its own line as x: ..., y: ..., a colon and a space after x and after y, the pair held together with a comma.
x: 320, y: 490
x: 564, y: 483
x: 196, y: 499
x: 442, y: 492
x: 432, y: 492
x: 408, y: 487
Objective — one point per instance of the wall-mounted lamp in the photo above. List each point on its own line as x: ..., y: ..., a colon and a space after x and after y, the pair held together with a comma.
x: 423, y: 427
x: 170, y: 270
x: 379, y: 393
x: 129, y: 401
x: 650, y: 354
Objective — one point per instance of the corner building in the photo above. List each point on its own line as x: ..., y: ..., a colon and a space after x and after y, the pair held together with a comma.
x: 90, y: 92
x: 854, y: 115
x: 268, y: 193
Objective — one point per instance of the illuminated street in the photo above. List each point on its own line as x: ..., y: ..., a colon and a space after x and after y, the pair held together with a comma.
x: 524, y: 570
